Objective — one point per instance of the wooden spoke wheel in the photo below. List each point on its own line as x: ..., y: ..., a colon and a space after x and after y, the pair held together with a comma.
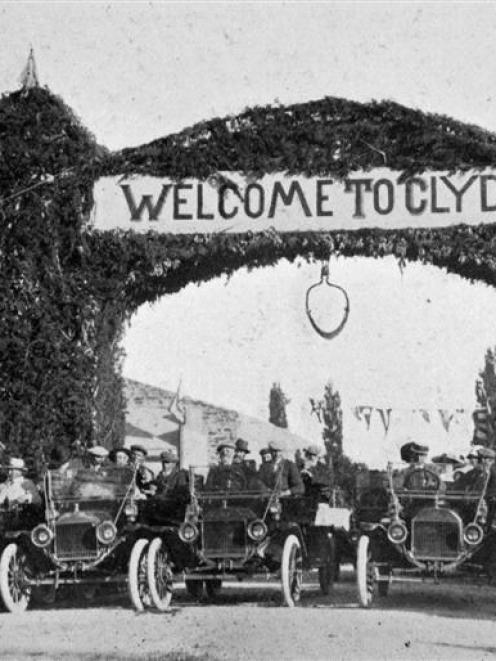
x: 159, y: 575
x: 291, y: 571
x: 137, y: 576
x: 15, y: 589
x: 366, y: 573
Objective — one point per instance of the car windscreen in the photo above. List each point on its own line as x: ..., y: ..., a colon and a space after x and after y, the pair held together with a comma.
x: 86, y: 484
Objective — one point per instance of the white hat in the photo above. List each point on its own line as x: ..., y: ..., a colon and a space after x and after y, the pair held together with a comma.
x: 98, y: 451
x: 16, y: 463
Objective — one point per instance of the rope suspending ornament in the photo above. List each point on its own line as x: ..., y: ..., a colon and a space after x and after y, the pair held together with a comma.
x: 324, y: 279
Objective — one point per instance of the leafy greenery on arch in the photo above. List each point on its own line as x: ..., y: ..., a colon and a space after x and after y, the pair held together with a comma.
x: 67, y: 291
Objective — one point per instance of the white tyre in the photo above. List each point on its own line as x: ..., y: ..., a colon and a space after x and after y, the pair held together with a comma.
x: 291, y: 571
x: 137, y: 575
x: 14, y: 588
x: 159, y: 573
x: 365, y: 573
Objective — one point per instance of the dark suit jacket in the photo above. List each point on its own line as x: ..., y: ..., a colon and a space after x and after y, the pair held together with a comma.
x: 174, y: 483
x: 286, y: 476
x: 230, y: 478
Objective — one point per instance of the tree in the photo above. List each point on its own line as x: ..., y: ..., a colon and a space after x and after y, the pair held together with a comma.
x: 330, y: 414
x: 485, y: 393
x: 277, y: 406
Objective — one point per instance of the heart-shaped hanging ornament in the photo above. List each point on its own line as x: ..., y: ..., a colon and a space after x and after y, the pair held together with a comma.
x: 324, y: 282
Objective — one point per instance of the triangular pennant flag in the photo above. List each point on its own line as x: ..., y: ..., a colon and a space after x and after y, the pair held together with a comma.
x: 446, y: 418
x: 366, y: 414
x: 386, y: 418
x: 357, y: 412
x: 425, y: 415
x: 176, y: 408
x: 29, y: 76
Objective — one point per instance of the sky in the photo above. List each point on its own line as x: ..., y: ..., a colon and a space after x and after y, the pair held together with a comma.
x: 134, y: 72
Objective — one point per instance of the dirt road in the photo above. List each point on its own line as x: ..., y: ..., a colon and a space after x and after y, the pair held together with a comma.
x: 416, y: 621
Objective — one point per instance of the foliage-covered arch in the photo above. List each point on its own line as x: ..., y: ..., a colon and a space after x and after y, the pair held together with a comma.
x: 66, y: 290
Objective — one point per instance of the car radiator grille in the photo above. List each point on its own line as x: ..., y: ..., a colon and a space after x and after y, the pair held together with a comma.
x: 226, y: 539
x: 436, y: 536
x: 75, y: 541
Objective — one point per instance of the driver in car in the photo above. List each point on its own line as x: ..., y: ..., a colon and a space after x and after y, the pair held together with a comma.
x: 416, y: 477
x: 226, y: 475
x: 281, y: 474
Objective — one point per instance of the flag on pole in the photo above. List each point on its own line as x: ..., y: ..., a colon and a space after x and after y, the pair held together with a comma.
x: 176, y: 407
x: 29, y: 75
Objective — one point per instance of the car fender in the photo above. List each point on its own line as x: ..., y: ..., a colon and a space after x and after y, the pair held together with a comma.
x: 279, y: 535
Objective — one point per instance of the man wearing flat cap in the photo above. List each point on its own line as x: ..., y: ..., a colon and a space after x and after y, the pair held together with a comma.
x: 281, y: 474
x: 170, y: 480
x: 317, y: 478
x: 98, y: 455
x: 145, y: 479
x: 226, y: 476
x: 18, y: 489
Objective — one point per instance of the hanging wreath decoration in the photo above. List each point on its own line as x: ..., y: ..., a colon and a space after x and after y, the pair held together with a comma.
x: 324, y: 280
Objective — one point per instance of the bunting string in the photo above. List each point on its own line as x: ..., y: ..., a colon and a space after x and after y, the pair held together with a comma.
x: 447, y: 417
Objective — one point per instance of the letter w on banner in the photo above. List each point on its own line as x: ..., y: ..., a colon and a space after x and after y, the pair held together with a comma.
x: 177, y: 408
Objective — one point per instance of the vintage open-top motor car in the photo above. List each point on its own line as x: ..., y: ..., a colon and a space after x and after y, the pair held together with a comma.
x: 87, y: 537
x: 416, y: 522
x: 241, y: 534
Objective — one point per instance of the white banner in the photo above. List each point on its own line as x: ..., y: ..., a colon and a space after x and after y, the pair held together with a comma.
x: 295, y: 203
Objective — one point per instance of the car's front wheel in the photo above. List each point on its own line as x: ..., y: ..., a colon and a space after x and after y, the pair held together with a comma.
x: 366, y: 573
x: 159, y: 575
x: 291, y: 571
x: 15, y: 589
x: 137, y: 576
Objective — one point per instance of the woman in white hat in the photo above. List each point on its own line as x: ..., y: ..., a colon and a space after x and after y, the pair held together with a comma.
x: 18, y: 489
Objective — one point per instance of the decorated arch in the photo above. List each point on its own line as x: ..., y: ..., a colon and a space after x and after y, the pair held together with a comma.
x: 304, y: 181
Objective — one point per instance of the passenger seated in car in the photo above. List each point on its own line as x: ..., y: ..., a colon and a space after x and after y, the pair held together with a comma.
x: 171, y: 480
x: 18, y: 489
x: 317, y: 478
x: 417, y: 476
x: 226, y: 476
x: 120, y: 456
x: 281, y: 474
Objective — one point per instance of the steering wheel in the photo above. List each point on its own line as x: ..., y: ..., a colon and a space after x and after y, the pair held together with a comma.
x: 421, y: 479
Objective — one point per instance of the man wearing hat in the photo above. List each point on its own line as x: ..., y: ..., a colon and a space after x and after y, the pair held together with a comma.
x: 97, y: 455
x: 240, y: 451
x: 317, y: 478
x: 281, y: 474
x: 415, y: 476
x: 226, y: 476
x: 145, y: 479
x: 170, y: 480
x: 265, y: 456
x: 18, y: 489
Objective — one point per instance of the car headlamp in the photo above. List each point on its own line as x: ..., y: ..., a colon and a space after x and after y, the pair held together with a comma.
x: 257, y: 530
x: 41, y: 536
x: 473, y: 533
x: 131, y: 511
x: 397, y: 532
x: 106, y: 532
x: 188, y: 532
